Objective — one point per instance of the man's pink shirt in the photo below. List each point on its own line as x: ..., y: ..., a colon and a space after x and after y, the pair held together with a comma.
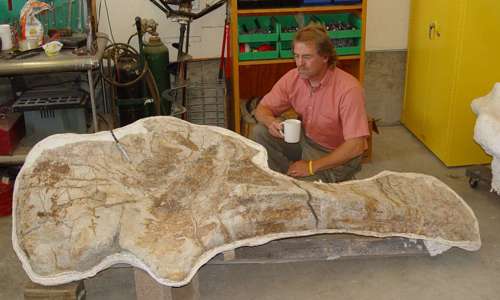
x: 331, y: 113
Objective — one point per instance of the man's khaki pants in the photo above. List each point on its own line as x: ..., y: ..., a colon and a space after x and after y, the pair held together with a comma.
x: 282, y: 154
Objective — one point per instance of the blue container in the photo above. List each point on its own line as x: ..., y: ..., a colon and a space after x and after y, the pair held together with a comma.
x: 345, y: 2
x: 290, y: 3
x: 317, y: 2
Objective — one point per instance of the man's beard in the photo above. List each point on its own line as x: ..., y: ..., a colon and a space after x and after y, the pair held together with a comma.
x: 303, y: 73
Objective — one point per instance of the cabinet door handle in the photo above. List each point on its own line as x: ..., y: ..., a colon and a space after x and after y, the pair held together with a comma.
x: 433, y: 30
x: 432, y: 27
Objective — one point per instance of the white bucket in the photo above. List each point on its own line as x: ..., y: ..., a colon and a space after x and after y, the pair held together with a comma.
x: 6, y: 36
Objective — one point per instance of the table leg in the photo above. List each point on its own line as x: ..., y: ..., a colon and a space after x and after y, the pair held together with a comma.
x: 106, y: 105
x: 92, y: 99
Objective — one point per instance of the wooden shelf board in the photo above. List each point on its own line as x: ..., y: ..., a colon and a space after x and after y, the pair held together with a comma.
x: 265, y: 62
x: 295, y: 10
x: 287, y: 60
x: 348, y: 57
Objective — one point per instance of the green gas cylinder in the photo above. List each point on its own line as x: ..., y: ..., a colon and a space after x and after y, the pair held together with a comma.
x: 156, y: 54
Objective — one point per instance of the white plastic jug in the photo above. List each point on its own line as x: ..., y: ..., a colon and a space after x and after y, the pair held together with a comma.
x: 6, y: 36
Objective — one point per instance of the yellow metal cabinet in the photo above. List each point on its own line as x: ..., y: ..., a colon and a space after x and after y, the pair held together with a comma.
x: 453, y: 58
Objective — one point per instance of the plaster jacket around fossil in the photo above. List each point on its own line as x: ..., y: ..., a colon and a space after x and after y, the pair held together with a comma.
x: 487, y: 130
x: 189, y: 192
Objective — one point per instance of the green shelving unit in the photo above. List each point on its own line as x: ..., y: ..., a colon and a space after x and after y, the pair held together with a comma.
x: 253, y: 36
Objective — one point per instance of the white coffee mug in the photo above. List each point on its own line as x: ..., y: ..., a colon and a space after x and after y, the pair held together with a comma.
x: 291, y: 130
x: 6, y: 36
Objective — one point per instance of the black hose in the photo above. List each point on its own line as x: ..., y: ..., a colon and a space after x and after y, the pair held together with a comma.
x: 134, y: 53
x: 131, y: 37
x: 145, y: 73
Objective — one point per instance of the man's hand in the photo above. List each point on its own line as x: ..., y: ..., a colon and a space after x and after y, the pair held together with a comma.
x: 265, y: 116
x: 299, y: 168
x: 275, y: 128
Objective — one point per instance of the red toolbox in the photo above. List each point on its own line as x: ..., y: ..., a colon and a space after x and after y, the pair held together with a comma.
x: 5, y: 198
x: 11, y: 132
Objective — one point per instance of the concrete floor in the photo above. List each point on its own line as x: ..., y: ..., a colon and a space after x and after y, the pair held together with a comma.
x: 456, y: 274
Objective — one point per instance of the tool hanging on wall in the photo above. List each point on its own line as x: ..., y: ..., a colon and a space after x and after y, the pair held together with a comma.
x: 224, y: 64
x: 69, y: 15
x: 80, y: 14
x: 54, y: 23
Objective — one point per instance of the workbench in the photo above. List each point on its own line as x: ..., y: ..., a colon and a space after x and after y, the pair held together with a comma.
x: 321, y: 247
x: 65, y: 61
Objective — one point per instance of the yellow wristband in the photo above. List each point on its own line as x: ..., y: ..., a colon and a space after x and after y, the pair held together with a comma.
x: 310, y: 164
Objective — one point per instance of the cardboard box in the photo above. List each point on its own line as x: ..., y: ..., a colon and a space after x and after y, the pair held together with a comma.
x: 11, y: 132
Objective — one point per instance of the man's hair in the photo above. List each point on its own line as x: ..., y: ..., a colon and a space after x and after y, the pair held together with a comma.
x: 316, y: 33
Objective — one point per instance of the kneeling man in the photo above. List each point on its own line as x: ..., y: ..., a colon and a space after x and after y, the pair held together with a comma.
x: 331, y: 106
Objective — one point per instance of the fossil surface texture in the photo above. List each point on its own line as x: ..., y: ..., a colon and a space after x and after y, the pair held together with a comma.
x: 182, y: 193
x: 487, y: 130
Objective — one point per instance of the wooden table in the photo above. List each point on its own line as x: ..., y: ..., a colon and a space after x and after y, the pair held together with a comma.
x: 311, y: 248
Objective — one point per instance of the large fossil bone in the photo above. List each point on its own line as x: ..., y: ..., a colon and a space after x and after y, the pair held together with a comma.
x: 190, y: 192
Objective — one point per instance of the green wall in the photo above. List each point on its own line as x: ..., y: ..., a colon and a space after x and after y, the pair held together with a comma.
x: 7, y: 16
x: 10, y: 17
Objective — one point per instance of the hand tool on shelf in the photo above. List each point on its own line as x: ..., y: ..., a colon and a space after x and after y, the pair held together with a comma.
x: 54, y: 22
x: 245, y: 29
x: 80, y: 14
x: 259, y: 28
x: 70, y: 14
